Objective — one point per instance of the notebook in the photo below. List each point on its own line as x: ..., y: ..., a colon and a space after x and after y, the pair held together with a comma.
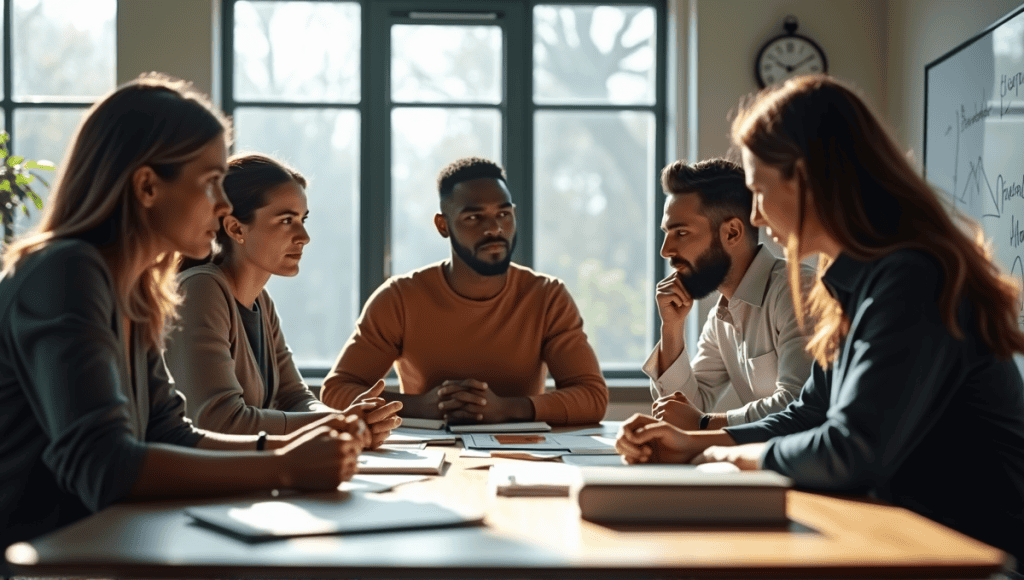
x: 407, y: 461
x: 441, y: 426
x: 356, y: 513
x: 403, y: 434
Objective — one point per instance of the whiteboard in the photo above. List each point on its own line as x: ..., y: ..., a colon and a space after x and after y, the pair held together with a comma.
x: 974, y: 136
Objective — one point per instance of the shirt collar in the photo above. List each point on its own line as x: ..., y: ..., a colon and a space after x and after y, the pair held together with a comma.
x: 844, y: 275
x: 753, y: 286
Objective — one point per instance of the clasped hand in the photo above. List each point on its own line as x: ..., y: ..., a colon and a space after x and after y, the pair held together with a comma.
x: 322, y: 454
x: 677, y: 410
x: 379, y: 415
x: 644, y: 439
x: 467, y: 401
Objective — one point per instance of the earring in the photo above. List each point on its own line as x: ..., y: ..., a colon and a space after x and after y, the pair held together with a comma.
x: 241, y: 240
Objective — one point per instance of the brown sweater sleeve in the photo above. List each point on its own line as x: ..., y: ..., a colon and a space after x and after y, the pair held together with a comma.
x: 292, y: 393
x: 371, y: 350
x: 581, y: 395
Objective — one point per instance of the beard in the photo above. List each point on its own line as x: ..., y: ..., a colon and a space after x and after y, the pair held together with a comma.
x: 480, y: 266
x: 708, y: 273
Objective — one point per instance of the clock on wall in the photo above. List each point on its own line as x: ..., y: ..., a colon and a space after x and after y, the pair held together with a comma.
x: 788, y: 55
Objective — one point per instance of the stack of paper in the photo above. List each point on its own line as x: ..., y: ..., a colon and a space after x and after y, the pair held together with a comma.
x: 528, y: 427
x: 378, y: 483
x: 405, y: 435
x: 408, y: 461
x: 554, y: 442
x: 441, y: 426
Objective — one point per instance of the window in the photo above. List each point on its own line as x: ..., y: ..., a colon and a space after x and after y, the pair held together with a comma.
x: 58, y: 58
x: 371, y: 99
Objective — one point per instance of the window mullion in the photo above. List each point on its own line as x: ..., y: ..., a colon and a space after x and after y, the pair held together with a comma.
x: 375, y: 197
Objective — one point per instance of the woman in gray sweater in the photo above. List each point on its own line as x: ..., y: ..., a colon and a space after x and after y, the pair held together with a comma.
x: 228, y: 355
x: 87, y: 411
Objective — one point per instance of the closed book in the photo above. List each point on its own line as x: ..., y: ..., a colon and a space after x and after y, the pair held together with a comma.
x: 662, y: 494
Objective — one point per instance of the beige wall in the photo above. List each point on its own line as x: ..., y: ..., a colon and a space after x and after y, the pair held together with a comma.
x: 177, y: 37
x: 920, y: 31
x: 731, y: 32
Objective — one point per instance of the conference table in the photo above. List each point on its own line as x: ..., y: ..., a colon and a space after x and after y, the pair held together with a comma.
x: 521, y: 537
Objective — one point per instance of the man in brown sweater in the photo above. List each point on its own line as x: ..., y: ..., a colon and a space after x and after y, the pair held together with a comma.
x: 473, y: 337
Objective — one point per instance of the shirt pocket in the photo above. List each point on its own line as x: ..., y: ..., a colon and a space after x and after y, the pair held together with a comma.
x: 762, y: 373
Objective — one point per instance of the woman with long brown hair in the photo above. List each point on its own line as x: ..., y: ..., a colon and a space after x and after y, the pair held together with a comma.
x: 87, y: 411
x: 914, y: 396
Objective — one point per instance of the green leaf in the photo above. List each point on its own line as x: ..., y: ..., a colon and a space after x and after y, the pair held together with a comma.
x: 36, y: 200
x: 24, y: 178
x: 40, y: 165
x: 41, y: 180
x: 4, y: 137
x: 5, y: 185
x: 15, y: 160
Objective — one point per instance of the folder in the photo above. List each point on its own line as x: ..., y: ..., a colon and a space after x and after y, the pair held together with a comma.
x: 351, y: 513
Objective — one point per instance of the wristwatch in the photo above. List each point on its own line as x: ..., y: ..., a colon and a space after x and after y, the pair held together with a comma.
x: 704, y: 420
x: 261, y: 440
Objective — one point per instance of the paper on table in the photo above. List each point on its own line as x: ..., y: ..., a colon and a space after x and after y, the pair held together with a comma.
x: 590, y: 460
x: 402, y: 444
x: 378, y: 483
x: 412, y: 461
x: 545, y: 441
x: 405, y: 434
x: 527, y: 427
x: 607, y: 428
x: 425, y: 424
x: 358, y: 512
x: 512, y: 454
x: 437, y: 426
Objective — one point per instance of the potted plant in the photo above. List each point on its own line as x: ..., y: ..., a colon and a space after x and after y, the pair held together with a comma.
x: 15, y: 192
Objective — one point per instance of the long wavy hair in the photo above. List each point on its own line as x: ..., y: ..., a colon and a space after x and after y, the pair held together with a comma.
x: 862, y: 189
x: 154, y: 121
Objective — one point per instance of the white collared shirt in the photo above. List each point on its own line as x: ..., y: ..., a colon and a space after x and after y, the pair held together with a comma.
x: 752, y: 342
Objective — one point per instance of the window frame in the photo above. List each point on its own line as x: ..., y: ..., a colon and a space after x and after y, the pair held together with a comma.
x: 7, y: 101
x: 517, y: 108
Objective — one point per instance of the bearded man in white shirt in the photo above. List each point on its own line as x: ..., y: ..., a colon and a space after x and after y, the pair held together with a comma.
x: 752, y: 339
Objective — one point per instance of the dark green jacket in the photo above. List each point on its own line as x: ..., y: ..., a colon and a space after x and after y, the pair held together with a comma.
x: 73, y: 423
